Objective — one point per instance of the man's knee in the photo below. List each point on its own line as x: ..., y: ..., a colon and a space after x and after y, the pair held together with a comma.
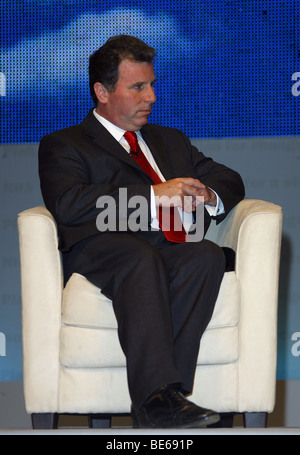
x: 212, y: 254
x: 143, y: 252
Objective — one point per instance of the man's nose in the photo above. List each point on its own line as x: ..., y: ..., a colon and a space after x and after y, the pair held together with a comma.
x: 150, y: 95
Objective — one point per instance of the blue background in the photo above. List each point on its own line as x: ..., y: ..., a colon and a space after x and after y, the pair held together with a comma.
x: 223, y: 66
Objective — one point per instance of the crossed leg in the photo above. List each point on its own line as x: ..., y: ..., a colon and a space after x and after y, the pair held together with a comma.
x: 163, y: 299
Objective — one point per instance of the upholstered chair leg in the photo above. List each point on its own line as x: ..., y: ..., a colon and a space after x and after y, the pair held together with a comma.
x: 45, y: 421
x: 99, y: 421
x: 255, y: 419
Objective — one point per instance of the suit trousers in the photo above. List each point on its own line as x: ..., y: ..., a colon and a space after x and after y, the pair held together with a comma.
x: 163, y: 297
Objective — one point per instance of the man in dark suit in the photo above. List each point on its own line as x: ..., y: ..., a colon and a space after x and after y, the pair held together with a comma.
x: 163, y: 288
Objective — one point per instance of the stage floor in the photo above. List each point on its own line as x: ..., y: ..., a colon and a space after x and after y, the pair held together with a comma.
x: 156, y: 434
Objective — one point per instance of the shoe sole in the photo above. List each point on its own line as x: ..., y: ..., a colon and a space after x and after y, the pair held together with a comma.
x: 201, y: 423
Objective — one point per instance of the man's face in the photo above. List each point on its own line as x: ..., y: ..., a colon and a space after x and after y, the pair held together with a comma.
x: 130, y: 104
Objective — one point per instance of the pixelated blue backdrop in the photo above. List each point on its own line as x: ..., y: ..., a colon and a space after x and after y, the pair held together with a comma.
x: 223, y: 67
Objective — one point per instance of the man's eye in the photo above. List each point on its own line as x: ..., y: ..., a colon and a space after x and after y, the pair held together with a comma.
x: 138, y: 86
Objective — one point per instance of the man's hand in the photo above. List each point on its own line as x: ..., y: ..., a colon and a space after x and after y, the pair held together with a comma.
x: 182, y: 192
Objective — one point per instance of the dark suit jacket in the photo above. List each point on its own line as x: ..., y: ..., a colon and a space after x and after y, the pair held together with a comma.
x: 79, y: 164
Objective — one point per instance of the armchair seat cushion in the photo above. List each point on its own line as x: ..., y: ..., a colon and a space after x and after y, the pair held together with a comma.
x: 89, y: 326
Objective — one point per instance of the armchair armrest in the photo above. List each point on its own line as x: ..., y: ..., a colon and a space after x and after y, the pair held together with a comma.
x: 41, y: 288
x: 254, y: 231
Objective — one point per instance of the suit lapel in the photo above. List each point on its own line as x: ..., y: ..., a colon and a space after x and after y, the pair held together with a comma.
x: 107, y: 142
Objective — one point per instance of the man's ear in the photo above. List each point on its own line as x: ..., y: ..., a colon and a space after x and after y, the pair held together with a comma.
x: 100, y: 92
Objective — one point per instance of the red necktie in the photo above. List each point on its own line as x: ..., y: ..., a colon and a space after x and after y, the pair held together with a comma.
x: 171, y: 216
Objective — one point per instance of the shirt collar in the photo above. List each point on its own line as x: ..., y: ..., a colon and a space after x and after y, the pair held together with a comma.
x: 114, y: 130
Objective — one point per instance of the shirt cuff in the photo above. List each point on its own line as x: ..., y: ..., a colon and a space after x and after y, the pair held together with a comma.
x: 218, y: 209
x: 153, y: 212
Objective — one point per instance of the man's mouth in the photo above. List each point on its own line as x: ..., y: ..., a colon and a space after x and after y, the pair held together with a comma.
x: 145, y: 111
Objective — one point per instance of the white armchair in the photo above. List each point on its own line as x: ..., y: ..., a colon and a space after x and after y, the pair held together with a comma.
x: 72, y: 360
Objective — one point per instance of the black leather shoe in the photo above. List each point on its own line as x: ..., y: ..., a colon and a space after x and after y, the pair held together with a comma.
x: 168, y: 408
